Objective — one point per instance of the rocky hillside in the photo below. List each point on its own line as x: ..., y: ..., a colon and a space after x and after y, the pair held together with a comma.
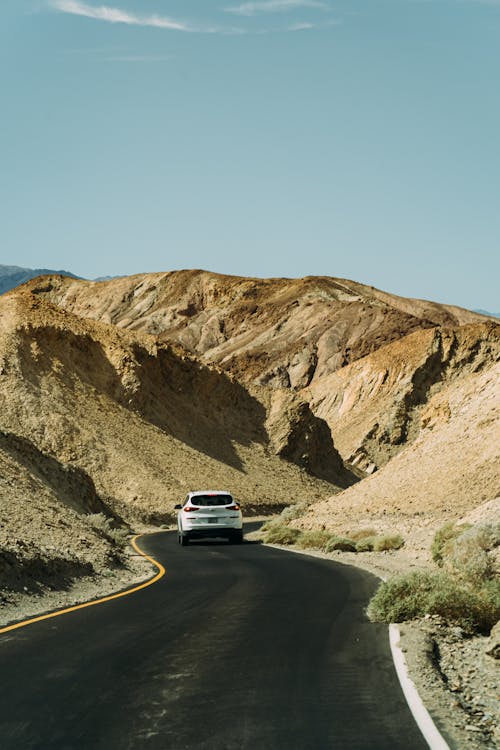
x: 94, y: 419
x: 448, y: 472
x: 366, y: 361
x: 129, y: 392
x: 282, y: 332
x: 378, y: 404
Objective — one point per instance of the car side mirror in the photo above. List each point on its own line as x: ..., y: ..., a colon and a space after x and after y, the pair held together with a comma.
x: 177, y: 507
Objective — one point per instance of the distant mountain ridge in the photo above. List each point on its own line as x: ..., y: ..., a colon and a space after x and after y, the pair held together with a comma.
x: 490, y: 314
x: 12, y: 276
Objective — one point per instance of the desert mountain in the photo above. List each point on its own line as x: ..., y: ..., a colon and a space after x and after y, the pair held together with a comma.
x: 97, y: 419
x: 366, y: 361
x: 127, y: 393
x: 281, y: 332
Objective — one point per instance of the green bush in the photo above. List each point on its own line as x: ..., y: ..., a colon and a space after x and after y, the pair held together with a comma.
x: 313, y: 539
x: 341, y: 543
x: 277, y: 534
x: 104, y: 526
x: 420, y: 593
x: 385, y: 542
x: 443, y: 538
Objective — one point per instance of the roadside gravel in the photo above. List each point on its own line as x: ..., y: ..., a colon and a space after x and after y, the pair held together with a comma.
x: 16, y: 606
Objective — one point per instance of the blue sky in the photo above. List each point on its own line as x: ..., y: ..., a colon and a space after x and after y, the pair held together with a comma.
x: 352, y: 138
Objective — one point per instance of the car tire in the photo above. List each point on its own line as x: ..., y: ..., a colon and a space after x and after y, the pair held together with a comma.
x: 236, y: 537
x: 183, y: 540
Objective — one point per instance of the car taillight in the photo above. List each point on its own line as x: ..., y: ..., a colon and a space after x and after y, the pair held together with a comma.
x: 189, y: 508
x: 233, y: 507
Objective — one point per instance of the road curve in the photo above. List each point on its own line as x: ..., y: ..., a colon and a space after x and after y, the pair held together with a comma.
x: 237, y: 647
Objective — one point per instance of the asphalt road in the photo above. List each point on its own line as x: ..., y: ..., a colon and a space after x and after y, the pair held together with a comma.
x: 236, y: 647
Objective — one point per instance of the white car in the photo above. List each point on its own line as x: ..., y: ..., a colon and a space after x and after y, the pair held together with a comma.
x: 209, y: 513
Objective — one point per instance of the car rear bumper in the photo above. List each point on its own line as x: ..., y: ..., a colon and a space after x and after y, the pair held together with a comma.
x: 222, y: 533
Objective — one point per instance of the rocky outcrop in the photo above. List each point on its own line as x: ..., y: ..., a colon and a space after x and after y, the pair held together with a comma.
x: 380, y: 403
x: 72, y: 486
x: 493, y: 646
x: 449, y: 470
x: 297, y: 435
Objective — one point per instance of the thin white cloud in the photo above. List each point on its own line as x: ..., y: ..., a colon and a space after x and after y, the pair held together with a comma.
x: 115, y: 15
x: 304, y: 26
x: 307, y: 25
x: 252, y: 8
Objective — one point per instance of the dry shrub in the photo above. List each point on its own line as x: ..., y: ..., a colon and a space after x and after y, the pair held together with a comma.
x: 420, y: 593
x: 359, y: 534
x: 267, y: 525
x: 366, y: 544
x: 443, y: 538
x: 279, y: 534
x: 292, y: 512
x: 385, y: 542
x: 313, y: 539
x: 468, y: 553
x: 104, y: 526
x: 342, y: 543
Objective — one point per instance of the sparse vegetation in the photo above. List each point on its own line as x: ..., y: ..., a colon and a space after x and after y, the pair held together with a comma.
x: 464, y: 592
x: 313, y: 540
x: 365, y: 544
x: 292, y: 512
x: 385, y: 542
x: 340, y: 543
x: 103, y: 525
x: 276, y: 533
x: 436, y: 593
x: 362, y: 540
x: 443, y: 538
x: 359, y: 534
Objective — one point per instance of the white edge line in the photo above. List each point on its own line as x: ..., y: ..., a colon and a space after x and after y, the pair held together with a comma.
x: 419, y: 711
x: 421, y: 715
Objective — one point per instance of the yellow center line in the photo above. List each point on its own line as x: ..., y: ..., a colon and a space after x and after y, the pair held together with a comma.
x: 57, y: 613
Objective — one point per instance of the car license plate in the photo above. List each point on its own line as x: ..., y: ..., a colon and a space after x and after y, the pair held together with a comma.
x: 213, y: 520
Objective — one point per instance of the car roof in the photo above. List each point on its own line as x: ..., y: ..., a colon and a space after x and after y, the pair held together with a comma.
x: 208, y: 492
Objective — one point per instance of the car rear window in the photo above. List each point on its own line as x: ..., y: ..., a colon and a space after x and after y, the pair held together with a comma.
x: 205, y: 500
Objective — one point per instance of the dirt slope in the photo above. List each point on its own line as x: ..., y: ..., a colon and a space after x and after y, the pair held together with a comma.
x: 450, y: 470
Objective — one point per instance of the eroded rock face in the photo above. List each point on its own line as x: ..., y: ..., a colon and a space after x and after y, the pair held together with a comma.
x: 367, y: 362
x: 380, y: 403
x: 297, y: 435
x: 280, y: 332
